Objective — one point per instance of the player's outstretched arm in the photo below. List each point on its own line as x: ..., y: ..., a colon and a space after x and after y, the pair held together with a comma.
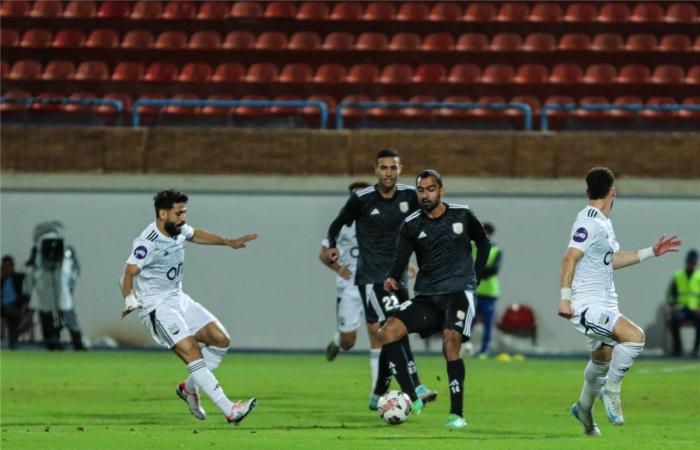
x: 207, y: 238
x: 665, y: 244
x: 568, y: 265
x: 130, y: 302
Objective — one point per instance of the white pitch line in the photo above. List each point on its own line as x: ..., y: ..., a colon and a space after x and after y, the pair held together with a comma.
x: 671, y: 369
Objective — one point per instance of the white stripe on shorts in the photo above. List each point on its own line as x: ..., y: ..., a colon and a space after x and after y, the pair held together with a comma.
x: 372, y: 298
x: 470, y: 314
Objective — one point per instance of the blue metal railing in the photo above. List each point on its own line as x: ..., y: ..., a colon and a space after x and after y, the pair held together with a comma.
x: 568, y: 107
x: 322, y: 106
x: 118, y: 105
x: 524, y: 107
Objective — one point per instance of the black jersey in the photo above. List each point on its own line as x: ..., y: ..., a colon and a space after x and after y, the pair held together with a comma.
x: 443, y: 250
x: 377, y: 221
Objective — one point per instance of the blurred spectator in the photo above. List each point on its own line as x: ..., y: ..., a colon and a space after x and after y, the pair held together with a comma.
x: 16, y: 315
x: 488, y: 290
x: 684, y: 298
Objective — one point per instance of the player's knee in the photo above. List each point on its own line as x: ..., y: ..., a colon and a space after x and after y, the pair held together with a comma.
x: 638, y: 336
x: 222, y: 341
x: 389, y: 333
x: 347, y: 340
x: 451, y: 345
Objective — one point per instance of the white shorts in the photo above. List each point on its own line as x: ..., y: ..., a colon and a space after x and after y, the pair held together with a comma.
x: 597, y: 322
x: 175, y: 319
x: 349, y: 310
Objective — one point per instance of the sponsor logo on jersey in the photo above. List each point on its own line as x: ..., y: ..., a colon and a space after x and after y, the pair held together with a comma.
x: 603, y: 319
x: 165, y: 253
x: 174, y: 329
x: 140, y: 252
x: 422, y: 235
x: 403, y: 206
x: 459, y: 324
x: 374, y: 212
x: 581, y: 235
x: 458, y: 227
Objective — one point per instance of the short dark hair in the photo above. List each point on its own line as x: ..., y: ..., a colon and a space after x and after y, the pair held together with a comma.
x: 357, y: 185
x: 429, y: 173
x: 8, y: 258
x: 489, y: 228
x: 166, y: 198
x: 387, y: 153
x: 599, y: 181
x: 691, y: 257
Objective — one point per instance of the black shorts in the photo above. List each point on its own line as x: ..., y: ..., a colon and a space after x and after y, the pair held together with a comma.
x: 430, y: 314
x: 380, y: 304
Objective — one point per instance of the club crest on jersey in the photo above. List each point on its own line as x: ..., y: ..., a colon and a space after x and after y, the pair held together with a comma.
x: 403, y: 206
x: 461, y: 315
x: 140, y: 252
x: 603, y: 319
x: 581, y: 235
x: 458, y: 227
x: 174, y: 329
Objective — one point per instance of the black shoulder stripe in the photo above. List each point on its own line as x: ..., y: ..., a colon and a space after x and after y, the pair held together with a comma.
x: 152, y: 236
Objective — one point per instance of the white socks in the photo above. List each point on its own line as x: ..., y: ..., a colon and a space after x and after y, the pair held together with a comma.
x: 374, y: 364
x: 212, y: 357
x: 594, y: 377
x: 336, y: 339
x: 206, y: 380
x: 622, y: 359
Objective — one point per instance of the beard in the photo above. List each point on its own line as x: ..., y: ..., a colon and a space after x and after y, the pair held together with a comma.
x: 429, y: 205
x: 173, y: 229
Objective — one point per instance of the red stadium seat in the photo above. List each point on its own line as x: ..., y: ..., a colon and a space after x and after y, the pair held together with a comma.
x: 546, y: 12
x: 4, y: 68
x: 313, y: 111
x: 114, y: 10
x: 161, y: 71
x: 661, y: 116
x: 251, y: 111
x: 354, y: 112
x: 600, y: 73
x: 676, y: 43
x: 286, y: 110
x: 372, y: 41
x: 76, y: 108
x: 362, y: 73
x: 438, y: 42
x: 417, y: 11
x: 48, y: 107
x: 566, y: 73
x: 690, y: 115
x: 696, y: 47
x: 607, y: 42
x: 452, y: 113
x: 218, y: 111
x: 339, y: 40
x: 506, y: 42
x: 380, y: 11
x: 430, y: 73
x: 517, y: 116
x: 641, y: 42
x: 179, y: 110
x: 262, y: 73
x: 195, y: 72
x: 647, y: 12
x: 147, y: 10
x: 681, y: 12
x: 69, y: 38
x: 15, y: 94
x: 487, y: 113
x: 614, y: 12
x: 296, y: 73
x: 385, y: 113
x: 531, y: 73
x: 150, y: 110
x: 621, y: 114
x: 480, y: 12
x: 313, y: 11
x: 396, y: 73
x: 25, y: 69
x: 405, y: 42
x: 92, y: 70
x: 281, y: 10
x: 271, y: 40
x: 497, y: 73
x: 175, y: 40
x: 634, y: 73
x: 330, y: 73
x: 472, y: 42
x: 80, y: 10
x: 59, y: 70
x: 103, y: 39
x: 519, y: 320
x: 128, y: 71
x: 138, y: 39
x: 668, y: 73
x: 47, y: 8
x: 239, y: 40
x: 581, y: 12
x: 347, y: 11
x: 464, y: 73
x: 415, y: 113
x: 693, y: 76
x: 557, y: 118
x: 205, y: 40
x: 9, y: 37
x: 14, y: 9
x: 449, y: 12
x: 246, y: 10
x: 574, y: 41
x: 228, y: 73
x: 176, y: 10
x: 513, y: 12
x: 305, y: 40
x: 540, y: 42
x: 213, y: 11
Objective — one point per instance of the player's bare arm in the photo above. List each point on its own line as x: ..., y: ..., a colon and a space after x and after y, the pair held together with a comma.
x: 568, y: 265
x: 130, y: 302
x: 329, y: 255
x: 343, y: 271
x: 207, y: 238
x: 664, y: 245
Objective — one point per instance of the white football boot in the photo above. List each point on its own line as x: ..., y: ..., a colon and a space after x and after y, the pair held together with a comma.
x: 613, y: 406
x: 192, y: 400
x: 586, y: 418
x: 240, y: 410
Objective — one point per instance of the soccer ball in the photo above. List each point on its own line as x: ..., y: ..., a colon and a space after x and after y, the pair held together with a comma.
x: 394, y: 407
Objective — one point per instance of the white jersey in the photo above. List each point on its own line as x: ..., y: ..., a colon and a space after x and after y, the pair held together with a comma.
x: 593, y: 234
x: 348, y: 250
x: 160, y: 259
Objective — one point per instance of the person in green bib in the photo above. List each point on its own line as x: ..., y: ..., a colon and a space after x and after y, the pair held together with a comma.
x: 684, y: 297
x: 489, y: 289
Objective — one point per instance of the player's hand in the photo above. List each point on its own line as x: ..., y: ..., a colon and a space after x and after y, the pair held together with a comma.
x: 330, y: 255
x: 130, y: 304
x: 566, y: 310
x: 390, y: 285
x: 241, y: 241
x: 345, y: 272
x: 666, y: 244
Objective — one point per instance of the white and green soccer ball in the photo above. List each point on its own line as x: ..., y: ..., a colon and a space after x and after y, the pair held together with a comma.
x: 394, y: 407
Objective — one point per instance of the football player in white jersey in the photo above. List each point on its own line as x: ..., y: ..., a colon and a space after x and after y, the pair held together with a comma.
x: 589, y: 300
x: 152, y: 284
x: 349, y: 310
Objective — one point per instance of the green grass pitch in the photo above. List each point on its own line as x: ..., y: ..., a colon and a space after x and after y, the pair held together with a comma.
x: 126, y: 400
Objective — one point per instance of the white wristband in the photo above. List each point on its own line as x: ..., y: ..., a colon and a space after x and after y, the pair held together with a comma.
x: 645, y: 254
x: 565, y: 293
x: 131, y: 302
